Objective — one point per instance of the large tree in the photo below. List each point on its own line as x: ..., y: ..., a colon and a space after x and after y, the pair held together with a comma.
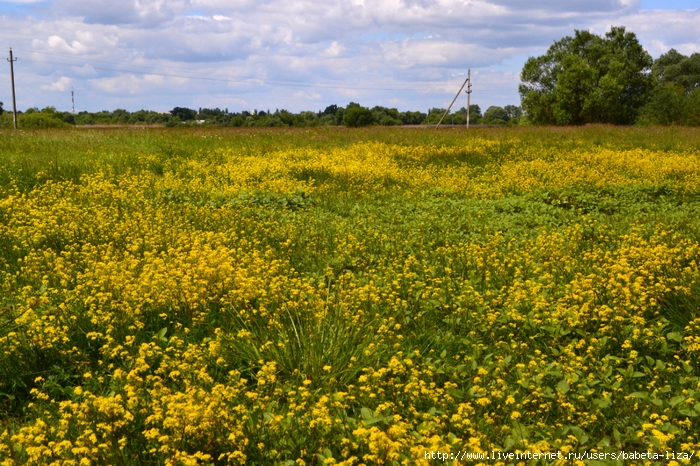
x: 588, y: 79
x: 674, y: 67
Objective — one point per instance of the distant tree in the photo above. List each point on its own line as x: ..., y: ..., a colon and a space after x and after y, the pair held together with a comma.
x: 1, y: 109
x: 356, y: 116
x: 120, y: 115
x: 513, y: 111
x: 667, y: 106
x: 274, y: 121
x: 237, y: 120
x: 327, y: 120
x: 671, y: 105
x: 84, y: 118
x: 138, y: 117
x: 674, y: 67
x: 434, y: 115
x: 286, y: 116
x: 68, y: 118
x: 306, y: 119
x: 588, y: 79
x: 184, y: 114
x: 495, y: 115
x: 331, y: 110
x: 412, y: 118
x: 40, y: 120
x: 173, y: 121
x: 386, y: 116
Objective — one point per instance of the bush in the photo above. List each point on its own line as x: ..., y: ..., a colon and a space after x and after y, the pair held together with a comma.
x: 6, y: 120
x: 173, y: 121
x: 237, y: 121
x: 327, y: 120
x: 357, y: 116
x: 273, y: 121
x: 389, y: 121
x: 40, y: 120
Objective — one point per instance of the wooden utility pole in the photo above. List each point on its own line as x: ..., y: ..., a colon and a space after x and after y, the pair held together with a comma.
x: 453, y: 101
x: 12, y: 77
x: 469, y: 94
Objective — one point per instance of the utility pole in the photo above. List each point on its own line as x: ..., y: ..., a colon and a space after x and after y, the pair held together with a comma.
x: 12, y: 75
x: 72, y: 100
x: 469, y: 94
x: 453, y: 101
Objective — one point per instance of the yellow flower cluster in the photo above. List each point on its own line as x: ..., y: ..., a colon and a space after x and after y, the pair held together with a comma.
x: 359, y: 304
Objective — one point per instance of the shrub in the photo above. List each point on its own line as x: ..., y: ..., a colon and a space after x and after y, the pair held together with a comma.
x: 40, y: 120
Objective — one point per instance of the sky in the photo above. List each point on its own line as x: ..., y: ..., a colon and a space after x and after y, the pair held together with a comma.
x: 302, y: 54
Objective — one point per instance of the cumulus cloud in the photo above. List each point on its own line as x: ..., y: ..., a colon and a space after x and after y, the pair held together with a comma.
x: 61, y: 85
x: 164, y: 53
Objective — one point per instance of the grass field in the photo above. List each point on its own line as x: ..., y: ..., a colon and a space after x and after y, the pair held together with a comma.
x: 333, y: 296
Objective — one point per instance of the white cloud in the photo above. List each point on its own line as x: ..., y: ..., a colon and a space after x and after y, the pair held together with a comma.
x: 306, y: 95
x: 117, y: 52
x: 333, y: 50
x: 61, y: 85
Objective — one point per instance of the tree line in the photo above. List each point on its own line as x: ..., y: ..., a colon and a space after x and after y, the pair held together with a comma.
x: 353, y: 115
x: 610, y: 79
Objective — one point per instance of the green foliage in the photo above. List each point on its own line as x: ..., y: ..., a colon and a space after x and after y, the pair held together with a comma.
x: 356, y: 116
x: 185, y: 114
x: 412, y: 118
x: 496, y: 116
x: 588, y: 79
x: 6, y: 120
x: 40, y: 120
x: 434, y: 115
x: 669, y: 105
x: 674, y: 67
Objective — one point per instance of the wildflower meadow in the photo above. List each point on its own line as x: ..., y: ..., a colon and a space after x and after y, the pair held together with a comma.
x: 207, y: 296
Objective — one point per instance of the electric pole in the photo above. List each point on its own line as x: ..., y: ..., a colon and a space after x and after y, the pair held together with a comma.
x: 453, y: 101
x: 469, y: 94
x: 72, y: 100
x: 12, y: 77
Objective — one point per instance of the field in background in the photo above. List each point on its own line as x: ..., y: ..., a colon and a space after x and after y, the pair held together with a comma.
x: 336, y: 296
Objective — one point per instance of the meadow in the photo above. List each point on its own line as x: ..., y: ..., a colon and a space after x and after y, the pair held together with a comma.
x: 196, y: 296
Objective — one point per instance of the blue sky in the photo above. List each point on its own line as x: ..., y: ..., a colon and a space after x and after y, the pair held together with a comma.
x: 303, y: 54
x: 669, y: 4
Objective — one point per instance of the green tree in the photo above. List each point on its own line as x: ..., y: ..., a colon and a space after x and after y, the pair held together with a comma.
x: 331, y: 110
x: 513, y: 111
x: 434, y: 115
x: 1, y: 109
x: 495, y: 115
x: 120, y: 115
x: 184, y: 114
x: 588, y: 79
x: 306, y: 118
x: 412, y: 118
x: 356, y: 116
x: 674, y: 67
x: 671, y: 105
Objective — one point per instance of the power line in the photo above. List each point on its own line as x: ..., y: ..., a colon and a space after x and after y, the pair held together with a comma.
x: 240, y: 80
